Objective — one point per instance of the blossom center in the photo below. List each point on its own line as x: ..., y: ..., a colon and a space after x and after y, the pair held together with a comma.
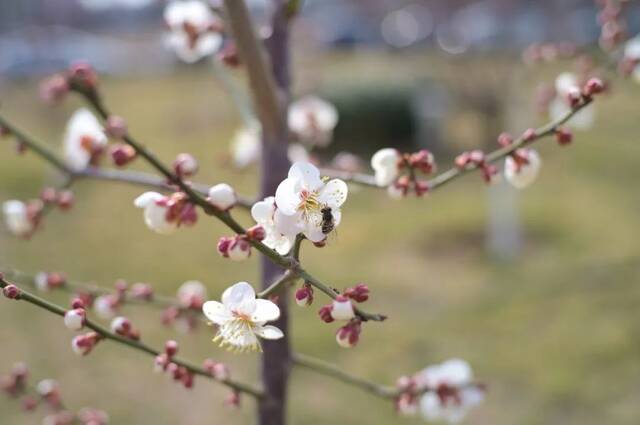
x: 308, y: 202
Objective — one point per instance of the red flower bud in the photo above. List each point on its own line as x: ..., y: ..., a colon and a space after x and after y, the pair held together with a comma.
x: 359, y: 293
x: 11, y: 291
x: 122, y: 154
x: 116, y: 127
x: 564, y: 136
x: 65, y: 200
x: 171, y: 348
x: 256, y: 233
x: 325, y: 313
x: 593, y: 86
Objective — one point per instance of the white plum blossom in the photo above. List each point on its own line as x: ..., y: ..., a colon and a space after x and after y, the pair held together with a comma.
x: 521, y: 171
x: 313, y: 120
x: 241, y: 318
x: 192, y: 294
x: 222, y: 196
x: 84, y: 139
x: 194, y: 29
x: 265, y: 214
x: 16, y: 217
x: 581, y: 120
x: 455, y: 375
x: 567, y: 84
x: 632, y: 53
x: 246, y: 147
x: 300, y: 199
x: 155, y: 212
x: 385, y: 165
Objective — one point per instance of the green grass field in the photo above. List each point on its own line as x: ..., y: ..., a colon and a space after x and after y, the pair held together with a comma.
x: 555, y: 333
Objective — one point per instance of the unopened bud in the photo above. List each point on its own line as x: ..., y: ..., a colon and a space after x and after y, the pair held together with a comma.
x: 116, y: 127
x: 11, y: 291
x: 122, y: 154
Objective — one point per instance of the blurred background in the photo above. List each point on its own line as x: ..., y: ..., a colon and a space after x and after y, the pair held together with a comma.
x: 536, y: 289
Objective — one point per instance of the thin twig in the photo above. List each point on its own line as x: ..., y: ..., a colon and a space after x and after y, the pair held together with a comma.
x: 58, y: 310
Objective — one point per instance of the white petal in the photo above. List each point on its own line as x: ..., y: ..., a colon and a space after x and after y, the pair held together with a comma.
x: 333, y: 194
x: 147, y: 198
x: 269, y: 332
x: 385, y: 158
x: 632, y: 48
x: 208, y: 44
x: 262, y: 211
x: 237, y: 294
x: 456, y: 372
x: 216, y: 312
x: 523, y: 176
x: 155, y: 217
x: 288, y: 225
x: 307, y: 174
x: 287, y: 196
x: 266, y: 311
x: 314, y: 233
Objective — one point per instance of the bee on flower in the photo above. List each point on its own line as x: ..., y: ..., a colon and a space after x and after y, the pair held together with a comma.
x: 241, y: 318
x: 304, y: 201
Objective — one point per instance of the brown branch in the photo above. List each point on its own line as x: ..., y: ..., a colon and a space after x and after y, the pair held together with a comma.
x: 139, y: 346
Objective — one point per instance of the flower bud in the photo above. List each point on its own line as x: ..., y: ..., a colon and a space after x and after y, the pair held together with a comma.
x: 192, y: 294
x: 233, y: 400
x: 122, y: 154
x: 48, y: 195
x: 256, y: 233
x: 342, y: 309
x: 142, y: 291
x: 121, y: 326
x: 29, y: 404
x: 529, y: 135
x: 505, y: 139
x: 219, y: 371
x: 82, y: 76
x: 106, y: 306
x: 65, y: 200
x: 116, y: 127
x: 54, y: 89
x: 564, y: 136
x: 422, y: 160
x: 83, y: 344
x: 161, y: 362
x: 349, y: 335
x: 74, y: 319
x: 359, y: 293
x: 185, y: 165
x: 11, y: 291
x: 593, y: 86
x: 229, y: 55
x: 171, y: 348
x: 325, y: 313
x: 304, y: 295
x: 421, y: 187
x: 78, y: 302
x: 222, y: 196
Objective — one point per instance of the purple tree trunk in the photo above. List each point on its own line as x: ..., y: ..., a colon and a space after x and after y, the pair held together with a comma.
x: 276, y: 359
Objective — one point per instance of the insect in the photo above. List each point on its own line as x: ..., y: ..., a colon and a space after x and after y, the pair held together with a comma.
x: 328, y: 223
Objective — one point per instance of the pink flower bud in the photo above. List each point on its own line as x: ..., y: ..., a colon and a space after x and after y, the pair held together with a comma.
x: 462, y: 160
x: 342, y: 309
x: 82, y: 76
x: 48, y: 195
x: 359, y: 293
x: 594, y: 86
x: 505, y: 139
x: 529, y: 135
x: 236, y: 249
x: 116, y: 127
x: 349, y: 335
x: 83, y: 344
x: 564, y: 136
x: 106, y: 306
x: 122, y: 154
x: 78, y: 302
x: 233, y: 400
x: 171, y: 348
x: 54, y: 89
x: 11, y: 291
x: 325, y: 313
x: 490, y: 173
x: 74, y: 319
x: 185, y: 165
x: 121, y: 326
x: 188, y: 380
x: 304, y: 295
x: 142, y: 291
x: 422, y: 160
x: 29, y: 404
x: 256, y: 233
x: 65, y: 200
x: 161, y: 362
x: 421, y: 187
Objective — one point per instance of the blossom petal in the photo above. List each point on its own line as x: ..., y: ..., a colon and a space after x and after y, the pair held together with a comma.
x: 334, y: 194
x: 237, y: 295
x: 288, y: 225
x: 269, y: 332
x: 216, y: 312
x: 262, y: 211
x: 266, y: 311
x: 307, y: 174
x: 146, y: 199
x: 287, y: 196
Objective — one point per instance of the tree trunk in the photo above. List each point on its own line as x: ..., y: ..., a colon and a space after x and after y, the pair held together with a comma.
x: 276, y: 359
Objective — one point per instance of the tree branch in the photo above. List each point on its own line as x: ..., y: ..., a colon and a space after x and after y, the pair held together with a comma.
x: 139, y: 346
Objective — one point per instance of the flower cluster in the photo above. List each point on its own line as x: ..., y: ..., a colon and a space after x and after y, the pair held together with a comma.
x: 568, y: 95
x: 195, y: 30
x: 47, y: 393
x: 241, y: 318
x: 443, y: 392
x: 477, y: 158
x: 164, y: 362
x: 342, y: 309
x: 399, y: 172
x: 183, y: 316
